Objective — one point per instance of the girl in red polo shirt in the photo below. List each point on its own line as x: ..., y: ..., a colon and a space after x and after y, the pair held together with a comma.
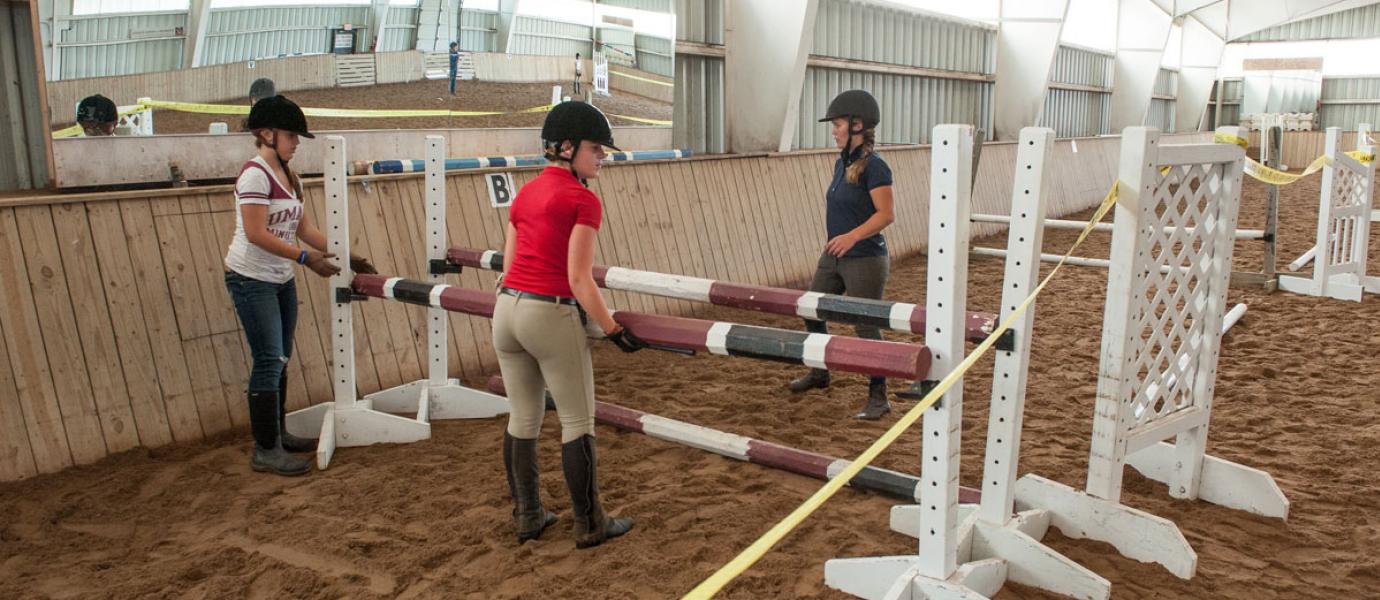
x: 539, y: 326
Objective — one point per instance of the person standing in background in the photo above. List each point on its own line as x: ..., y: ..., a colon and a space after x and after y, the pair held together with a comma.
x: 454, y: 65
x: 579, y: 72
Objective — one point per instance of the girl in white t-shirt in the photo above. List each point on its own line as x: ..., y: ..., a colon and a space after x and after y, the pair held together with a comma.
x: 269, y: 221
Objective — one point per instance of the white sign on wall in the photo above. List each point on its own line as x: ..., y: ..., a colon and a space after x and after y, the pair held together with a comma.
x: 501, y: 189
x: 601, y: 75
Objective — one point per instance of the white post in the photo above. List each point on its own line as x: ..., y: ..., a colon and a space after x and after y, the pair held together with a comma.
x: 1028, y: 201
x: 338, y: 243
x: 1139, y: 146
x: 945, y: 299
x: 436, y: 246
x: 1328, y: 242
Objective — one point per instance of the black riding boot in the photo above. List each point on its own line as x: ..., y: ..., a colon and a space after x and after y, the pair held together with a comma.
x: 291, y: 443
x: 592, y: 526
x: 524, y: 483
x: 877, y: 404
x: 269, y: 455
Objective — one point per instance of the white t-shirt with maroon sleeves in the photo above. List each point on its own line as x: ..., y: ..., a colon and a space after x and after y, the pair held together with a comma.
x: 257, y: 185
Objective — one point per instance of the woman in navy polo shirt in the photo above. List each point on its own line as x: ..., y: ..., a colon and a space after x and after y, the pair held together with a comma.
x: 858, y: 208
x: 539, y: 326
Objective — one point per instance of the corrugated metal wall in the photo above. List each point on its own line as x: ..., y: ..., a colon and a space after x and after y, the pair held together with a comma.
x: 1081, y: 112
x: 23, y: 134
x: 550, y: 38
x: 1076, y: 113
x: 656, y: 55
x: 478, y: 31
x: 619, y: 45
x: 400, y: 32
x: 1364, y: 92
x: 911, y: 106
x: 1161, y: 113
x: 1231, y: 103
x: 884, y: 34
x: 1363, y: 22
x: 650, y: 5
x: 700, y: 21
x: 105, y: 45
x: 698, y: 113
x: 240, y: 34
x: 1081, y: 66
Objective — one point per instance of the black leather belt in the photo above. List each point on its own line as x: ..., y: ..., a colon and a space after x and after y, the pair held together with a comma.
x: 519, y: 294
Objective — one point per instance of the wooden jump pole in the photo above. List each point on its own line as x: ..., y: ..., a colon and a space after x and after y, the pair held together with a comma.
x: 868, y: 357
x: 758, y: 452
x: 897, y: 316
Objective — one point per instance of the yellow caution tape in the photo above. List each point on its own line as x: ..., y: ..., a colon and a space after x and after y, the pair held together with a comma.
x: 235, y: 109
x: 1226, y: 138
x: 753, y: 553
x: 1277, y: 177
x: 641, y: 120
x: 630, y: 76
x: 76, y: 130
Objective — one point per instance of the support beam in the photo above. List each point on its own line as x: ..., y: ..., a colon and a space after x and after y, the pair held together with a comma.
x: 198, y: 12
x: 1202, y: 52
x: 506, y: 10
x: 897, y: 316
x: 766, y: 48
x: 1027, y: 40
x: 378, y: 23
x: 856, y: 355
x: 1142, y: 31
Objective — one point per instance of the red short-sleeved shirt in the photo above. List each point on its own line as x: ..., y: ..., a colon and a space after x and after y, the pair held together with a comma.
x: 544, y: 213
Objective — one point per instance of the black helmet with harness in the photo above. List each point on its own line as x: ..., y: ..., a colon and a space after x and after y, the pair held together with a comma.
x: 574, y: 121
x: 857, y: 106
x: 279, y: 114
x: 97, y: 109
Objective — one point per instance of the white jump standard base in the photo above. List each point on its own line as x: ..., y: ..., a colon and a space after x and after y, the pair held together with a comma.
x: 989, y: 544
x: 350, y: 421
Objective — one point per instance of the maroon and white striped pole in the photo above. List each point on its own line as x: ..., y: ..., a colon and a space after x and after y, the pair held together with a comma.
x: 898, y: 316
x: 758, y: 452
x: 841, y: 353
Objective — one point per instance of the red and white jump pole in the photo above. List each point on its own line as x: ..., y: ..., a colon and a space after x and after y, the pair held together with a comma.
x: 897, y: 316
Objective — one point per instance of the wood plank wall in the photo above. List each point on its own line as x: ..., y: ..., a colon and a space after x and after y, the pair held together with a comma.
x: 1301, y: 147
x: 646, y: 89
x: 116, y: 330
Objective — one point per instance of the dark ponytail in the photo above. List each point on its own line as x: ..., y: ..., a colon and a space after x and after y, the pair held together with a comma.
x: 855, y: 170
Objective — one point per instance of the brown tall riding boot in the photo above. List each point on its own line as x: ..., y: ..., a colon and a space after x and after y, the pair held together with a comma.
x: 524, y: 483
x: 877, y: 404
x: 816, y: 378
x: 592, y: 526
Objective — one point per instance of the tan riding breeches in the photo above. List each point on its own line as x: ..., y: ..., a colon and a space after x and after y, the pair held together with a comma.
x: 541, y: 346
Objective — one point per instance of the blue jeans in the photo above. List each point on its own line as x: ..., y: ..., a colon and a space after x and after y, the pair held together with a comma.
x: 268, y: 312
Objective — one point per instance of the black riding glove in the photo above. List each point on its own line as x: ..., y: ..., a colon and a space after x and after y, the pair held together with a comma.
x: 626, y: 341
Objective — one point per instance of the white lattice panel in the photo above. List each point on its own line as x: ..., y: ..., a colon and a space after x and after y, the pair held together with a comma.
x: 1344, y: 218
x: 1171, y: 265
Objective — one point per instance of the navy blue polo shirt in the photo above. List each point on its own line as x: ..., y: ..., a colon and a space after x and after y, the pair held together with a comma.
x: 849, y: 205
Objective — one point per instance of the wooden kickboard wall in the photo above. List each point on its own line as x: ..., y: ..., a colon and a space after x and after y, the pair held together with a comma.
x: 116, y: 330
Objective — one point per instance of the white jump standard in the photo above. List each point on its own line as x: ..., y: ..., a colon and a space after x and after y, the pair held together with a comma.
x: 1343, y: 232
x: 352, y: 421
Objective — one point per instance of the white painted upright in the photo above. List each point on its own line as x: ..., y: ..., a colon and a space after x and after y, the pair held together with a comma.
x: 1162, y: 334
x: 1029, y: 195
x: 934, y: 569
x: 1344, y: 218
x: 438, y: 396
x: 348, y: 421
x: 946, y: 294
